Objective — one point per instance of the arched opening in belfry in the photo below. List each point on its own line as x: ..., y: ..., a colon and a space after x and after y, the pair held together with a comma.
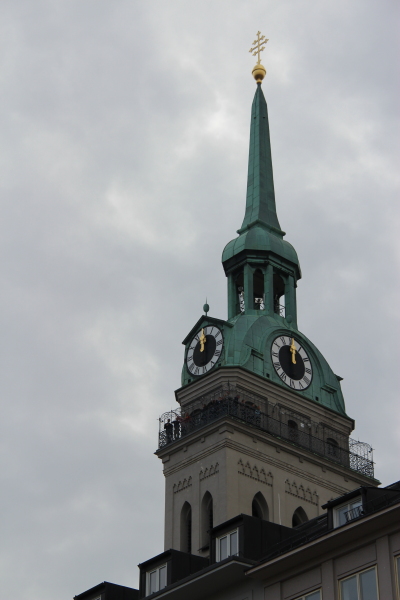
x: 239, y: 287
x: 259, y: 507
x: 186, y: 528
x: 207, y: 519
x: 332, y: 447
x: 299, y: 517
x: 258, y: 290
x: 279, y: 295
x: 293, y: 430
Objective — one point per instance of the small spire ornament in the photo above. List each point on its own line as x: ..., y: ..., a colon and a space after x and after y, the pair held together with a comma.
x: 259, y: 71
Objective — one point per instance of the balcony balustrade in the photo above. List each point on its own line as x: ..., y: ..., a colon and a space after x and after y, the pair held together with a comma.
x: 270, y: 418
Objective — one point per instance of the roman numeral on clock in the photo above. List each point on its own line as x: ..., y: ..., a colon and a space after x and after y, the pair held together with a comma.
x: 295, y: 374
x: 195, y: 347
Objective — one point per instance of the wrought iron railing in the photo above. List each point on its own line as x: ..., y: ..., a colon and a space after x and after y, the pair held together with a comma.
x: 272, y: 419
x: 242, y: 305
x: 279, y: 309
x: 353, y: 513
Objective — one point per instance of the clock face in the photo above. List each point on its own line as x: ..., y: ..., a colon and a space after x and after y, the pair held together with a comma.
x: 291, y: 362
x: 204, y: 350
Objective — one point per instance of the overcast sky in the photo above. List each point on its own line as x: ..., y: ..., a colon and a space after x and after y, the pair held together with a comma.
x: 124, y: 147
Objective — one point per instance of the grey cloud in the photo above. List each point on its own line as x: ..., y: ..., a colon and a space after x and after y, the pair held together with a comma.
x: 123, y: 166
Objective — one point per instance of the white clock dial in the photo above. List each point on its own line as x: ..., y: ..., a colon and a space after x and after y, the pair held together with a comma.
x: 204, y: 350
x: 291, y: 362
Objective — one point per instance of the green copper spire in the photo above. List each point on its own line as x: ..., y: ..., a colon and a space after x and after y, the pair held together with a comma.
x: 260, y: 199
x: 262, y: 271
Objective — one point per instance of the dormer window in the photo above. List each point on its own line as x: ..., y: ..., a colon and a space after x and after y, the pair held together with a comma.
x: 347, y: 512
x: 228, y: 545
x: 156, y: 580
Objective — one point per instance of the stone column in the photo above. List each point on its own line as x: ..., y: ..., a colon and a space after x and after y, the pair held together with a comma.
x: 232, y: 296
x: 290, y: 299
x: 328, y: 580
x: 384, y: 560
x: 269, y: 289
x: 248, y: 287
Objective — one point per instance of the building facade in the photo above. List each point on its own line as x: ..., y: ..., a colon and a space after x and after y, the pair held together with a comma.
x: 267, y: 496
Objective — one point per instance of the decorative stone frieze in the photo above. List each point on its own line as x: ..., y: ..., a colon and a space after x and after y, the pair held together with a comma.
x: 208, y: 472
x: 182, y: 485
x: 254, y: 473
x: 300, y: 492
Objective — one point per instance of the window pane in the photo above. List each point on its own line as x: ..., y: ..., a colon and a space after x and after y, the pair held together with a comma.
x: 223, y: 548
x: 153, y: 582
x: 234, y: 543
x: 368, y: 585
x: 314, y: 596
x: 349, y: 589
x: 163, y: 577
x: 355, y: 504
x: 341, y: 515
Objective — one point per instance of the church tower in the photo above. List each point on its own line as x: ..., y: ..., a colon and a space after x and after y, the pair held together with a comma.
x: 261, y: 427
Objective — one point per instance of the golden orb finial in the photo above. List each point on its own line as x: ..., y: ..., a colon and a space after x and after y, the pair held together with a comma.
x: 259, y: 71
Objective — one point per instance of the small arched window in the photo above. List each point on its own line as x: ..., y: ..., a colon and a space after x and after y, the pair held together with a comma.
x: 207, y: 518
x: 239, y: 285
x: 186, y: 528
x: 259, y: 507
x: 258, y: 290
x: 299, y: 517
x: 332, y: 447
x: 279, y: 291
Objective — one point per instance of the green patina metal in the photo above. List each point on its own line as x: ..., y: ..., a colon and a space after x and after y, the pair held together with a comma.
x: 260, y: 199
x: 260, y: 249
x: 260, y: 243
x: 257, y: 238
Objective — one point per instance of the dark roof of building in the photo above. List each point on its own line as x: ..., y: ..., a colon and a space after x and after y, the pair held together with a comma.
x: 374, y: 500
x: 111, y: 591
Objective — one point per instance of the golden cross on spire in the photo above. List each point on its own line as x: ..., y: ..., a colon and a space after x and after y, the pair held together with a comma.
x: 256, y: 49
